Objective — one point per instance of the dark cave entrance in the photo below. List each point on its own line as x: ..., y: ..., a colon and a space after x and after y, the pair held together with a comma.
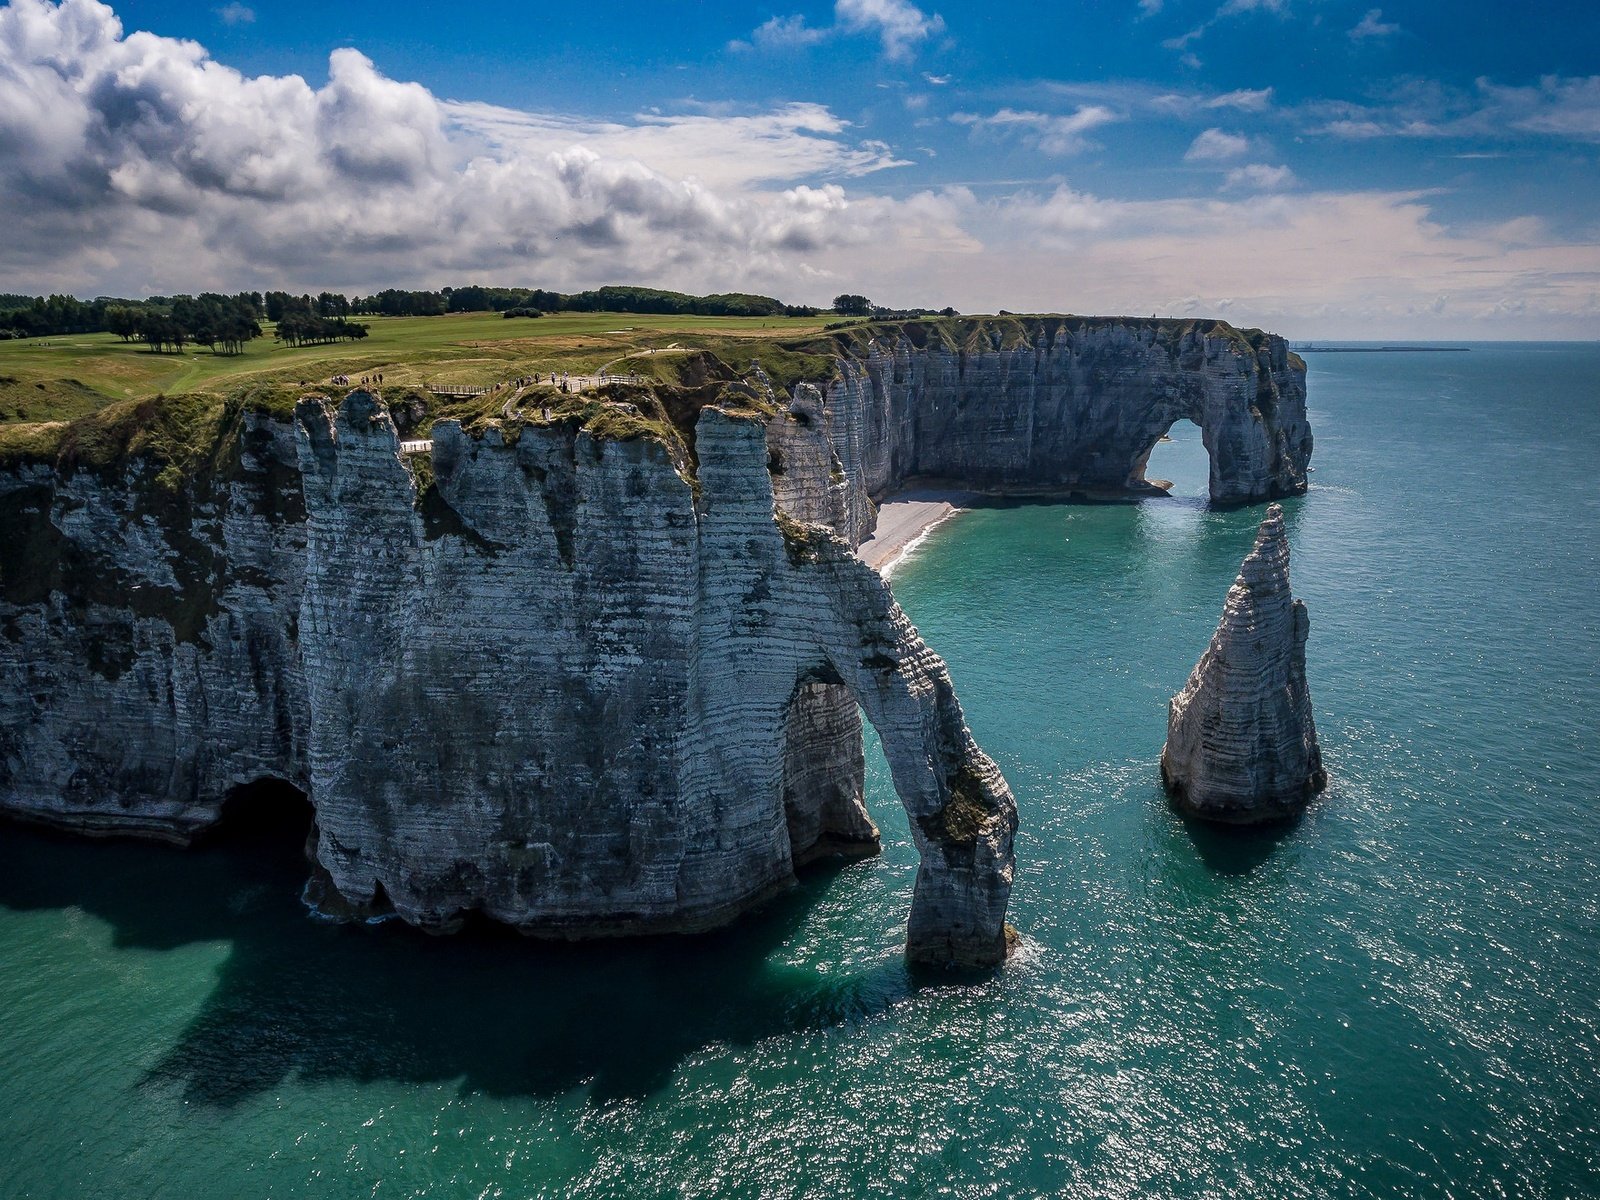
x: 267, y: 813
x: 1179, y: 461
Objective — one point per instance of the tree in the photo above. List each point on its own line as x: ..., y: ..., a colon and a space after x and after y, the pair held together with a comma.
x: 849, y: 305
x: 122, y: 321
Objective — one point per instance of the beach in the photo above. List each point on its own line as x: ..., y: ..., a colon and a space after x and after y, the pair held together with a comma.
x: 905, y: 520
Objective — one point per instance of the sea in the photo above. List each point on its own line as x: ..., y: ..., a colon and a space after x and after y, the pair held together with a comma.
x: 1397, y: 996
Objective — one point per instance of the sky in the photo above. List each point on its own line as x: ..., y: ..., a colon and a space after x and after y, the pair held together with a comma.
x: 1320, y: 168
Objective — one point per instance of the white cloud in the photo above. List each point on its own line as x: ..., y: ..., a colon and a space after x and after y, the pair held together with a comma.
x: 1557, y: 106
x: 785, y: 32
x: 1560, y: 107
x: 1355, y: 264
x: 1231, y: 8
x: 792, y: 142
x: 235, y: 13
x: 132, y: 164
x: 1259, y: 177
x: 1216, y: 145
x: 900, y: 26
x: 1056, y: 135
x: 117, y: 149
x: 1244, y: 99
x: 1373, y: 26
x: 1139, y: 97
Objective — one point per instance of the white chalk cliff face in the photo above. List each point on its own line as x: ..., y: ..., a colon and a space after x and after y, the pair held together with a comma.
x: 582, y: 685
x: 1064, y: 404
x: 569, y: 705
x: 1241, y: 742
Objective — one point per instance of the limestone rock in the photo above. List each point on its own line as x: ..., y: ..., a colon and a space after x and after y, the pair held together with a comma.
x: 578, y: 684
x: 1064, y: 404
x: 631, y: 726
x: 1241, y: 742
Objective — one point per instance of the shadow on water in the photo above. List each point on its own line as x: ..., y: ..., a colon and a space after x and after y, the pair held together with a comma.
x: 503, y: 1014
x: 1237, y: 849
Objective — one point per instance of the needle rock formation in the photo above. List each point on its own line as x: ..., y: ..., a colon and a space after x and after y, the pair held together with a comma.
x: 1241, y: 743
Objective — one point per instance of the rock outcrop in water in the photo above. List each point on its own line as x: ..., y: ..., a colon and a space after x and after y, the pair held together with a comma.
x: 582, y: 678
x: 1241, y: 742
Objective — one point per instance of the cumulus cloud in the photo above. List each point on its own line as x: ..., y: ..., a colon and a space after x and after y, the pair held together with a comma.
x: 900, y: 26
x: 131, y: 163
x: 1216, y: 145
x: 1056, y: 135
x: 782, y: 32
x: 116, y: 149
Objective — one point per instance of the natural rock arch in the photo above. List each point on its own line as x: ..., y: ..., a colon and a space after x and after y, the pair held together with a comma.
x: 853, y: 638
x: 1073, y: 408
x: 1137, y: 472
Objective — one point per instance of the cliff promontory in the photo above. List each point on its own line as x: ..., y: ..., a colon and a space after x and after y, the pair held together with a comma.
x: 595, y: 670
x: 1241, y: 742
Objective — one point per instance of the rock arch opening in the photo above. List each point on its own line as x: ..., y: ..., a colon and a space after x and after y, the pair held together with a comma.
x: 824, y: 773
x: 1177, y: 461
x: 960, y: 813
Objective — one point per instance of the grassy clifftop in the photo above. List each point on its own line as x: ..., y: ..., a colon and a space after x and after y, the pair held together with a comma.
x: 91, y: 401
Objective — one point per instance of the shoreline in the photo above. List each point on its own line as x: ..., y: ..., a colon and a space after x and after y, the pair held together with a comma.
x: 904, y: 522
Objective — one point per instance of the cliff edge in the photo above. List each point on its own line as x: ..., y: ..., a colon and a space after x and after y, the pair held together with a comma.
x: 599, y: 672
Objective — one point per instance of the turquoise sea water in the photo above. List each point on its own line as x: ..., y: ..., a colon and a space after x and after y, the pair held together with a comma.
x: 1400, y: 996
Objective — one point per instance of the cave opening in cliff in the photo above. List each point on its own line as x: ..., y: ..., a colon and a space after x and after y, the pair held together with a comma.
x: 265, y: 812
x: 1179, y: 461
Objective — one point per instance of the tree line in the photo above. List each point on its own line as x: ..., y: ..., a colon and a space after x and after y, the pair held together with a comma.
x: 221, y: 323
x: 226, y: 323
x: 302, y: 322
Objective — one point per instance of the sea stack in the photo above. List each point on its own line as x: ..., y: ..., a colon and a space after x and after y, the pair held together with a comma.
x: 1241, y: 742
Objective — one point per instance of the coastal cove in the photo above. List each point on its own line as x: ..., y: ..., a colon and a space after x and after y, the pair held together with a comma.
x: 1388, y: 997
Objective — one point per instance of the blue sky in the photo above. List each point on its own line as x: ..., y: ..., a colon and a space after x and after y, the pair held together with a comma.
x: 1323, y: 168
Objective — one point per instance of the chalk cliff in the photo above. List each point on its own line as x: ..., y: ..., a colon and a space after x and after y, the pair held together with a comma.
x: 574, y: 704
x: 148, y: 635
x: 1241, y: 741
x: 1061, y: 405
x: 587, y: 675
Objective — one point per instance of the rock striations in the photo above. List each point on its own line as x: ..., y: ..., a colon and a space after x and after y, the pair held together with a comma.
x: 1241, y: 743
x: 588, y: 701
x: 583, y: 678
x: 1062, y: 405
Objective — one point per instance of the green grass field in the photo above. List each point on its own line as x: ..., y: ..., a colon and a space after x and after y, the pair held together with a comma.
x: 59, y: 378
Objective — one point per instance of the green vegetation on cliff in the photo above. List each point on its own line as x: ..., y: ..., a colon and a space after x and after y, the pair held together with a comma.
x: 91, y: 401
x: 59, y: 378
